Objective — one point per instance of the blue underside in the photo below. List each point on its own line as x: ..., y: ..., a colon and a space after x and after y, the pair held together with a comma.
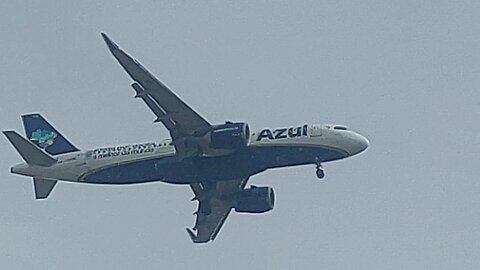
x: 241, y: 164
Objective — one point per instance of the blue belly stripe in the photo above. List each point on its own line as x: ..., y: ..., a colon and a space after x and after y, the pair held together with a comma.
x: 240, y: 164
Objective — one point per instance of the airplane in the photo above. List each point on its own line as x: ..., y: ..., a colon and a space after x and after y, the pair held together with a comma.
x: 215, y: 160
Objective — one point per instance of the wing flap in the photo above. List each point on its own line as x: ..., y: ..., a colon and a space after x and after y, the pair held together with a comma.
x: 162, y: 116
x: 215, y: 202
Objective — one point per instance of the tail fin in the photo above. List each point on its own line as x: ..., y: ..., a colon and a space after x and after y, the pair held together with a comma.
x: 45, y: 136
x: 29, y: 152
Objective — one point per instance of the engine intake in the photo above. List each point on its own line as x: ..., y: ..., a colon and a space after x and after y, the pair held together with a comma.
x: 255, y: 200
x: 229, y: 136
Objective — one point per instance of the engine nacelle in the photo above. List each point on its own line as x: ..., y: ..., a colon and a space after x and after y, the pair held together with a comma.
x: 229, y: 136
x: 255, y: 200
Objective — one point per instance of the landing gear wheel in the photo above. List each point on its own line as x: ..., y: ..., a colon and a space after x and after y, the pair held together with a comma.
x: 320, y: 173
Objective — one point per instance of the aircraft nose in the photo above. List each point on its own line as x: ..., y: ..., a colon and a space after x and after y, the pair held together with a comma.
x: 359, y: 144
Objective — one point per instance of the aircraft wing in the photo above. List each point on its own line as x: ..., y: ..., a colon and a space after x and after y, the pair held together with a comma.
x: 215, y: 201
x: 181, y: 120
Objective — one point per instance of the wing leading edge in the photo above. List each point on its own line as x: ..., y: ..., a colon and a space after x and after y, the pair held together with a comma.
x: 215, y: 201
x: 181, y: 120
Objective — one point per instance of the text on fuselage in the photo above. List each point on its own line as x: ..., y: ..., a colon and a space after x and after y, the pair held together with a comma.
x: 123, y: 150
x: 283, y: 133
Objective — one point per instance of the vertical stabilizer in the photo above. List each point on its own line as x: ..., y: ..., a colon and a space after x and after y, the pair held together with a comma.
x: 45, y: 136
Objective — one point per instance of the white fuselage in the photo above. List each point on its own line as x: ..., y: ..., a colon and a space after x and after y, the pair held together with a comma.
x: 75, y: 166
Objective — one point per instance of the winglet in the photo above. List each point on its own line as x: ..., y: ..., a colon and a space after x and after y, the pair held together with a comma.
x: 192, y: 235
x: 195, y: 238
x: 111, y: 45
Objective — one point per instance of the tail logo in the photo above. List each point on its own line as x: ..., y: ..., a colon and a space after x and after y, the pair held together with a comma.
x: 43, y: 138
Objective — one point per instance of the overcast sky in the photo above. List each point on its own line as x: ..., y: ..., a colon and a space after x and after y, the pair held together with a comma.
x: 404, y: 73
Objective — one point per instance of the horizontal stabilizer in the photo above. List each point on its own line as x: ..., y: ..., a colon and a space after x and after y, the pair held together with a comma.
x: 29, y: 152
x: 43, y: 187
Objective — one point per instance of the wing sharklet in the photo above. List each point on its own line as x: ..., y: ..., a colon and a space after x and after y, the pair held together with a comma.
x: 193, y: 236
x: 111, y: 45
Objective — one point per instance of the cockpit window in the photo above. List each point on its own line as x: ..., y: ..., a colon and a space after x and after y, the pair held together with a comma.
x: 340, y: 128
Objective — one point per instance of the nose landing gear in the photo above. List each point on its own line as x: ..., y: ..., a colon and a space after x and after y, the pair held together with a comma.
x: 320, y: 171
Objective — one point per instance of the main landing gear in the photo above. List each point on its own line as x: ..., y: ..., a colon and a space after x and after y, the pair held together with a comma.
x: 320, y: 171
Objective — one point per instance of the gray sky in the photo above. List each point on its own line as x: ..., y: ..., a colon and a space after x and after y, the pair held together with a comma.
x: 404, y: 73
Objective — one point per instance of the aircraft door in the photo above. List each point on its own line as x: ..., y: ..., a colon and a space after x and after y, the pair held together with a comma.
x: 315, y: 130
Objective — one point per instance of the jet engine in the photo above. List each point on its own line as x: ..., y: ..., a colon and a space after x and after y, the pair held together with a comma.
x: 229, y: 136
x: 255, y: 200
